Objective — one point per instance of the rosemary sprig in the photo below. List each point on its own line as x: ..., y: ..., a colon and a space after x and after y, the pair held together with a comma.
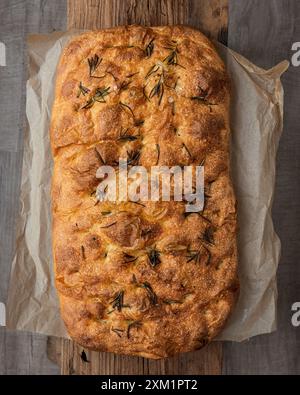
x: 133, y: 157
x: 124, y: 85
x: 158, y: 89
x: 93, y: 63
x: 149, y: 48
x: 134, y: 324
x: 126, y: 137
x: 193, y: 256
x: 89, y: 103
x: 101, y: 93
x: 117, y: 331
x: 208, y: 236
x: 154, y: 257
x: 118, y: 301
x: 124, y: 106
x: 82, y: 90
x: 99, y: 96
x: 151, y: 294
x: 172, y: 58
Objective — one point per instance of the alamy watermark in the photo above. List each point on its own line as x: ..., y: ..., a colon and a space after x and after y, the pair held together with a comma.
x: 2, y: 54
x: 295, y: 60
x: 296, y: 315
x: 161, y: 183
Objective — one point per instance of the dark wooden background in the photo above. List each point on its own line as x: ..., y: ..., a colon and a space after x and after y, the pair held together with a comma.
x: 263, y: 31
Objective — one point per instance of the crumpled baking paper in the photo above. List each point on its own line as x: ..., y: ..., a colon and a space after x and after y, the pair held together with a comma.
x: 256, y: 121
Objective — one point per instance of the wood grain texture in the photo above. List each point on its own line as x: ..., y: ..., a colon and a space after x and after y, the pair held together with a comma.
x: 211, y: 18
x: 205, y: 361
x: 20, y: 352
x: 266, y: 31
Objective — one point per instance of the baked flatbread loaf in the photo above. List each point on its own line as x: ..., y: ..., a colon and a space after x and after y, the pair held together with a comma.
x: 142, y: 278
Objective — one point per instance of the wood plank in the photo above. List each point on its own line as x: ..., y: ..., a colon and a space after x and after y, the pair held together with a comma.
x: 266, y: 31
x: 20, y: 352
x: 210, y: 16
x: 205, y: 361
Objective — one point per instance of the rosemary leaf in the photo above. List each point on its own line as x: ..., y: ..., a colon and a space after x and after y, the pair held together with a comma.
x: 158, y: 153
x: 117, y: 331
x: 193, y: 256
x: 128, y: 107
x: 154, y: 257
x: 118, y: 301
x: 108, y: 226
x: 83, y: 252
x: 133, y: 157
x: 208, y: 236
x: 99, y: 156
x: 152, y: 70
x: 149, y: 48
x: 151, y: 294
x: 105, y: 213
x: 82, y: 90
x: 187, y: 150
x: 93, y: 63
x: 101, y: 93
x: 126, y: 137
x: 124, y: 85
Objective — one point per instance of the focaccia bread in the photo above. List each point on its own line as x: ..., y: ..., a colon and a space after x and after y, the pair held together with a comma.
x: 142, y: 278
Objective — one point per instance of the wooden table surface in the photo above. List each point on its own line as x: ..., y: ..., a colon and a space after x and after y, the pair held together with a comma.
x: 263, y: 32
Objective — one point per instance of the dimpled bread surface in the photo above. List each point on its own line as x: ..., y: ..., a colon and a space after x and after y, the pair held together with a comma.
x: 142, y: 278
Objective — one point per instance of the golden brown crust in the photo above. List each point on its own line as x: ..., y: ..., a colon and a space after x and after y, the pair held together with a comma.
x: 114, y: 295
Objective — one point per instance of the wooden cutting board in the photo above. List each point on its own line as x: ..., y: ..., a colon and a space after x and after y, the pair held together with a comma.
x: 209, y: 16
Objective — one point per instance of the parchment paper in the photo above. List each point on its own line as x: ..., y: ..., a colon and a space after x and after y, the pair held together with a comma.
x: 256, y: 117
